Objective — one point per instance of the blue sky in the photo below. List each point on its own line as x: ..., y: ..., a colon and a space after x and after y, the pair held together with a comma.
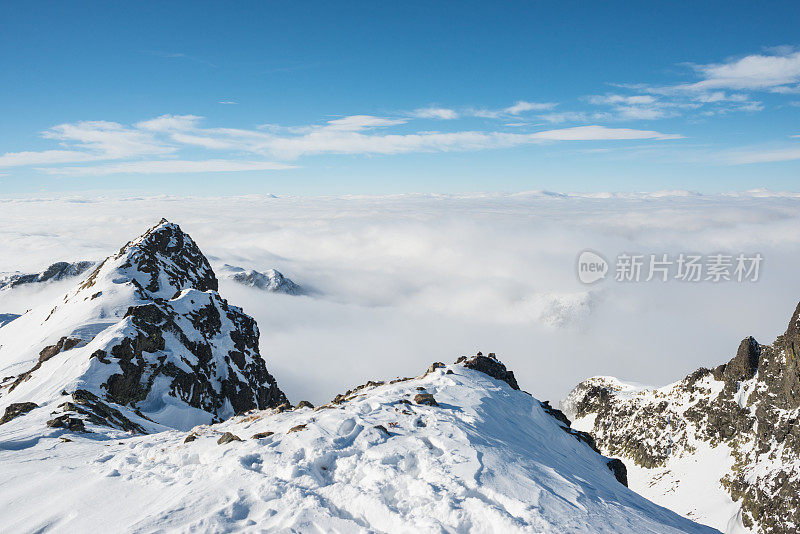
x: 376, y: 97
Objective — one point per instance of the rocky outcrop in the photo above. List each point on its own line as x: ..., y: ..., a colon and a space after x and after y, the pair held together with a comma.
x: 17, y: 409
x: 751, y: 404
x: 491, y: 366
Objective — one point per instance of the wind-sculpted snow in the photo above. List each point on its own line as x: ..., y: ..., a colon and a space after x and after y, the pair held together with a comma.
x: 738, y: 422
x: 482, y: 457
x: 147, y: 336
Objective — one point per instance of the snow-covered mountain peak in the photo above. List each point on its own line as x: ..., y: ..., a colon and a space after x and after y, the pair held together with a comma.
x: 162, y: 261
x: 148, y: 335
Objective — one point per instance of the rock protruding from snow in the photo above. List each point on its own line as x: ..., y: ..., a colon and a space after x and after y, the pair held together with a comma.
x: 491, y: 366
x: 149, y: 336
x: 270, y: 280
x: 60, y: 270
x: 749, y: 406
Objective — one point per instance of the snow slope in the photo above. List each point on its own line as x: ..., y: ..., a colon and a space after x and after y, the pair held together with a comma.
x: 487, y: 458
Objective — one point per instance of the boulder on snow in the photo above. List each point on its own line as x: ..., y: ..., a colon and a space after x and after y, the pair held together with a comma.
x: 425, y: 398
x: 262, y: 435
x: 67, y: 421
x: 303, y: 404
x: 297, y: 428
x: 227, y: 437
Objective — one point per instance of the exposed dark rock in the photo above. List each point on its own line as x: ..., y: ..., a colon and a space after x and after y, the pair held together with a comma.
x: 620, y: 471
x: 64, y: 344
x: 433, y: 367
x: 491, y: 366
x: 262, y: 435
x: 17, y: 409
x: 190, y: 438
x: 382, y: 429
x: 351, y: 393
x: 67, y: 421
x: 425, y: 398
x: 227, y: 437
x: 100, y: 413
x: 297, y: 428
x: 304, y: 404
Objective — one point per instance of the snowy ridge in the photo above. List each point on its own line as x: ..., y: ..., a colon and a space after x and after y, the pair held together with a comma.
x: 453, y: 450
x: 721, y: 446
x: 148, y: 335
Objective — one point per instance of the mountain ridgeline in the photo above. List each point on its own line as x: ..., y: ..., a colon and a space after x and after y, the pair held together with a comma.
x: 749, y: 405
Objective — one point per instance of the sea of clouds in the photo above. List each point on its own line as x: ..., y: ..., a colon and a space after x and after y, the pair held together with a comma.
x: 401, y: 281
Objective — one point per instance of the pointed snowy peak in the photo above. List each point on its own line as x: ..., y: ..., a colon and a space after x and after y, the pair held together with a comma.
x: 162, y: 261
x: 148, y: 335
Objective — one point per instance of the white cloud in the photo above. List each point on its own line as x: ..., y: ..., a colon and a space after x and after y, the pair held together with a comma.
x: 764, y: 156
x: 109, y: 140
x: 18, y: 159
x: 756, y: 72
x: 355, y: 123
x: 435, y: 113
x: 356, y: 134
x: 169, y: 166
x: 522, y: 106
x: 166, y: 123
x: 228, y: 102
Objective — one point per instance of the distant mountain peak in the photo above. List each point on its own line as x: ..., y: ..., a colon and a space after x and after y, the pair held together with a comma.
x: 269, y: 280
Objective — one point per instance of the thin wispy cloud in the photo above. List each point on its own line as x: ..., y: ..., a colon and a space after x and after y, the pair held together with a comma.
x: 435, y: 113
x: 156, y: 145
x: 169, y: 166
x: 179, y: 55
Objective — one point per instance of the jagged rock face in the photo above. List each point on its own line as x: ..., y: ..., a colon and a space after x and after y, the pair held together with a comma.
x: 147, y: 333
x: 750, y: 404
x: 58, y: 271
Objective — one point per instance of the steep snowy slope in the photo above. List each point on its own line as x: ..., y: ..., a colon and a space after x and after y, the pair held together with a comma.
x: 454, y: 450
x: 144, y: 342
x: 721, y: 446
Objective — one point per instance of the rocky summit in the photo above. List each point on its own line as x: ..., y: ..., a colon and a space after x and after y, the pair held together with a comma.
x: 144, y: 342
x: 680, y: 436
